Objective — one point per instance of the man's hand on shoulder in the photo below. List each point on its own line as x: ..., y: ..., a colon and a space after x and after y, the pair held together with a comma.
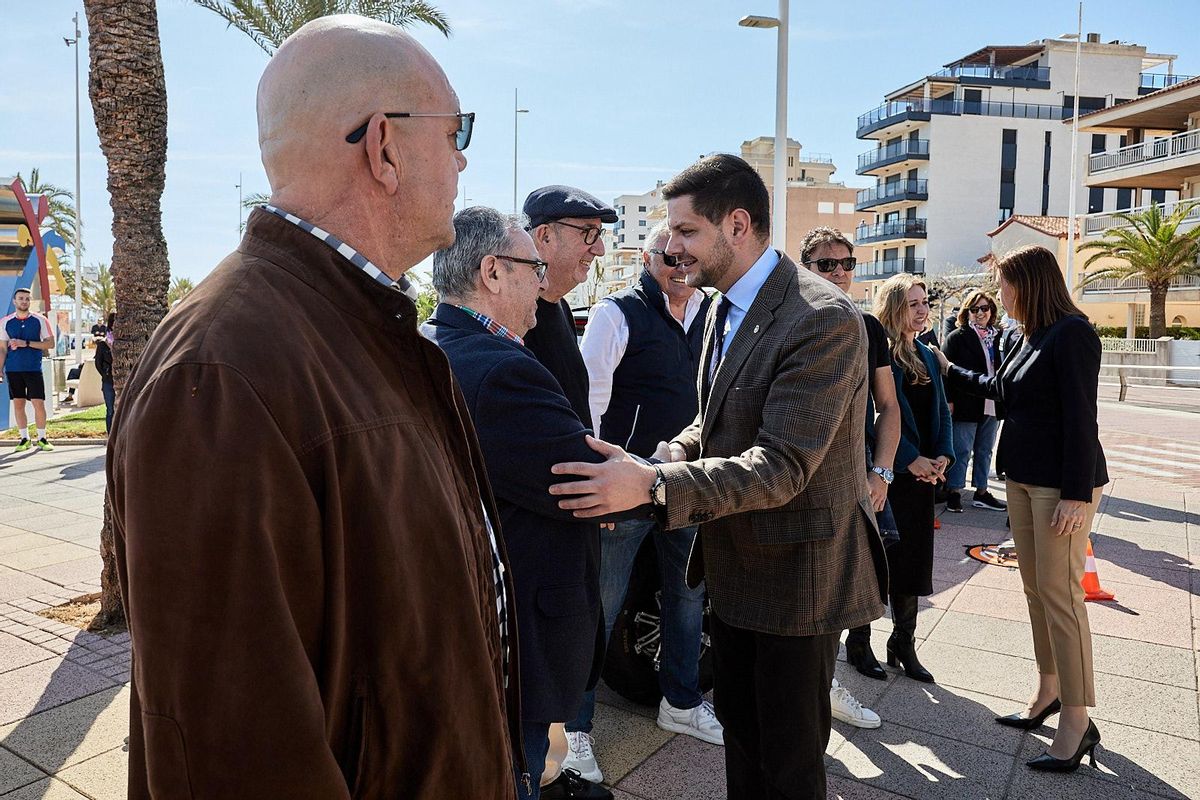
x: 617, y: 484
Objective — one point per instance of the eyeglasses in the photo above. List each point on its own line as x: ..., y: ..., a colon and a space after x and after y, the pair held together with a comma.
x: 980, y: 309
x: 539, y: 266
x: 590, y: 234
x: 830, y: 264
x: 462, y: 138
x: 669, y: 260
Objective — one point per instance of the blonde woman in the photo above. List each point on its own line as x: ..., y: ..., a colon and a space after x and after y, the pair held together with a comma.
x: 1055, y: 475
x: 925, y: 452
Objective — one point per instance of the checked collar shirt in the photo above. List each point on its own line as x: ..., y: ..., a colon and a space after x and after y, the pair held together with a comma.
x: 404, y: 285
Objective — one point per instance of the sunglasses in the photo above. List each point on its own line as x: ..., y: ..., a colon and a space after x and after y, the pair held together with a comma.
x: 462, y: 137
x: 980, y: 309
x: 539, y: 266
x: 830, y: 264
x: 669, y: 260
x: 590, y: 234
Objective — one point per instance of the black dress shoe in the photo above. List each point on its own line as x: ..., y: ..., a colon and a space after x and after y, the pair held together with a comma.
x: 861, y: 657
x: 1029, y: 723
x: 1087, y: 747
x: 569, y: 786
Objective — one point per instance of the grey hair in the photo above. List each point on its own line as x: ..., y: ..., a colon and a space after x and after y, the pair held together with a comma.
x: 478, y: 231
x: 658, y: 230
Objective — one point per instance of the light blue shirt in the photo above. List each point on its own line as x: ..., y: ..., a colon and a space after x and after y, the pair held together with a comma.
x: 742, y: 294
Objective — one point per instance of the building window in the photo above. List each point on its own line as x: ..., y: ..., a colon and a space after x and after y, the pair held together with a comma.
x: 1139, y: 315
x: 1158, y: 196
x: 641, y: 223
x: 641, y: 237
x: 1095, y: 200
x: 845, y: 208
x: 1124, y: 199
x: 1099, y: 142
x: 642, y: 209
x: 791, y: 161
x: 1008, y: 172
x: 1046, y: 176
x: 824, y: 208
x: 1005, y: 213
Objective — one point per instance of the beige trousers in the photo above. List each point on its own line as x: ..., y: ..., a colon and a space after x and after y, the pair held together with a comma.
x: 1052, y: 570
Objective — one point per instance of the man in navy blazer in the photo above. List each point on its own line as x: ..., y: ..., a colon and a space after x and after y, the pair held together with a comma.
x: 488, y: 284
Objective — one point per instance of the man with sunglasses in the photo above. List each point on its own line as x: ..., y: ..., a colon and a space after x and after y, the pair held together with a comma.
x: 565, y: 225
x: 642, y: 350
x: 268, y: 507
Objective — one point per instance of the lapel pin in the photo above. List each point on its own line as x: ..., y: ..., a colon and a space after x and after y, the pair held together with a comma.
x: 756, y: 329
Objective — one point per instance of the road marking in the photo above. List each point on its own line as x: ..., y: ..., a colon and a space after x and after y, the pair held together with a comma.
x: 1183, y: 448
x: 1119, y: 450
x: 1156, y: 473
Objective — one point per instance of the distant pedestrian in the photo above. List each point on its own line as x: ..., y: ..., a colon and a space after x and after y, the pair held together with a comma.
x: 25, y: 338
x: 104, y: 365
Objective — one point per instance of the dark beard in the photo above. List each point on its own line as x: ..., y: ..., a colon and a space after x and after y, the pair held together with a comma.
x: 719, y: 263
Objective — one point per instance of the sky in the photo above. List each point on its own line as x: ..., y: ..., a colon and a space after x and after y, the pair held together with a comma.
x: 620, y: 93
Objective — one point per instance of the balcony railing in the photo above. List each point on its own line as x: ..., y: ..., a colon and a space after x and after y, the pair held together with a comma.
x: 888, y: 192
x: 816, y: 158
x: 897, y: 110
x: 990, y: 72
x: 1117, y: 286
x: 877, y: 270
x: 893, y: 153
x: 1181, y: 144
x: 1096, y: 224
x: 1154, y: 81
x: 891, y: 229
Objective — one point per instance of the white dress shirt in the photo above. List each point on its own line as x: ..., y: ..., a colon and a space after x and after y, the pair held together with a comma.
x: 604, y: 341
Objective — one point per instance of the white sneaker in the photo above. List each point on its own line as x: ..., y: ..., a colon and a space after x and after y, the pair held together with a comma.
x: 581, y: 758
x: 848, y: 710
x: 700, y: 722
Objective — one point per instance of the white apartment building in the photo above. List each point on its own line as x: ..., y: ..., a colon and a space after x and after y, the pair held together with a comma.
x: 961, y: 150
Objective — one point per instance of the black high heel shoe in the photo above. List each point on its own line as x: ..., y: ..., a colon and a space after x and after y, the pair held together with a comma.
x: 1087, y: 747
x: 863, y: 659
x: 1029, y: 723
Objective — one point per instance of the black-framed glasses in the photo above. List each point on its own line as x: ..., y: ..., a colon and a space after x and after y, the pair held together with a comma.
x: 590, y: 233
x: 830, y: 264
x: 466, y: 125
x: 539, y: 266
x: 668, y: 259
x: 980, y: 310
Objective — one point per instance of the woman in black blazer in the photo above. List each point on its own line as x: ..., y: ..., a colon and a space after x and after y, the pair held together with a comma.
x: 973, y: 345
x: 1055, y: 475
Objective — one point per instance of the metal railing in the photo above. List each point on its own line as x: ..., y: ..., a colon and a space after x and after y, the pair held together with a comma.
x: 887, y: 191
x: 919, y: 105
x: 1181, y: 144
x: 1094, y: 224
x: 872, y: 270
x: 992, y: 72
x: 904, y: 148
x: 1159, y: 80
x: 1117, y: 285
x: 1109, y: 344
x: 891, y: 229
x: 815, y: 158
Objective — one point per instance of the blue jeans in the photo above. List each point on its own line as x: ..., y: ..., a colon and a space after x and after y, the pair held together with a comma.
x: 110, y: 397
x: 682, y: 608
x: 536, y: 736
x: 972, y: 439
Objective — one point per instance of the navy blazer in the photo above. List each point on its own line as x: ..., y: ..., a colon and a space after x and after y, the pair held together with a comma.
x: 525, y: 425
x: 1050, y: 436
x: 965, y: 348
x: 940, y: 425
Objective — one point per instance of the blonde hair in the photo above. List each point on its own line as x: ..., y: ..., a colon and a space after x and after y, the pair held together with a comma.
x: 891, y: 307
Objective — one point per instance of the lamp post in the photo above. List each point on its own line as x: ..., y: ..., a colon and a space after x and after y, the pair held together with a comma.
x: 78, y: 217
x: 516, y: 111
x: 779, y: 189
x: 1071, y: 211
x: 240, y: 223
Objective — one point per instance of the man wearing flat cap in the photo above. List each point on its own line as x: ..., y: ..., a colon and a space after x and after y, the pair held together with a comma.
x: 565, y: 225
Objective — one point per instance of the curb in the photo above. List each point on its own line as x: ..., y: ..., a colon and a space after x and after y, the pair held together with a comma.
x: 75, y: 442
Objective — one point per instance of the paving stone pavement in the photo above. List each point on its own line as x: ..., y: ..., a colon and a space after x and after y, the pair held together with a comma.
x: 64, y: 693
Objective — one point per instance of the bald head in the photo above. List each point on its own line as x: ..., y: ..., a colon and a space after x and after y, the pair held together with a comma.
x: 386, y: 190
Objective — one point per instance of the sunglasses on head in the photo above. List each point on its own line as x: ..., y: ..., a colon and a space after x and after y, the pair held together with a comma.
x: 669, y: 260
x: 830, y: 264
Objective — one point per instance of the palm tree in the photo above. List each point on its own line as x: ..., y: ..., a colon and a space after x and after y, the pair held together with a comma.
x: 180, y: 288
x: 99, y: 294
x: 269, y: 22
x: 129, y: 100
x: 1149, y: 246
x: 60, y: 216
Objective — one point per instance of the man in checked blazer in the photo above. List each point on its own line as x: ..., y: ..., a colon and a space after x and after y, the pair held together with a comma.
x: 771, y: 469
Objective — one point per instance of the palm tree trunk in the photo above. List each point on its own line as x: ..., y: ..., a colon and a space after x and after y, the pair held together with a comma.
x: 129, y: 99
x: 1158, y: 309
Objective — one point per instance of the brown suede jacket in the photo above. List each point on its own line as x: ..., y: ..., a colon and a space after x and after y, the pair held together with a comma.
x: 298, y: 495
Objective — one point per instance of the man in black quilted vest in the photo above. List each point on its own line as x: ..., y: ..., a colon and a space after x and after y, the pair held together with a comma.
x: 642, y: 350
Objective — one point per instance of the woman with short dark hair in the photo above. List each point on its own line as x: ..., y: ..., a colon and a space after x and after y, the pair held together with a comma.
x: 1055, y: 472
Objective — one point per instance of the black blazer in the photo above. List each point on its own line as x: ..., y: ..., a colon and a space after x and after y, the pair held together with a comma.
x: 525, y: 425
x: 965, y: 348
x: 1048, y: 387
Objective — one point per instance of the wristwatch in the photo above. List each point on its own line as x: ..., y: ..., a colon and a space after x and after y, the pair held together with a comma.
x: 658, y: 491
x: 885, y: 473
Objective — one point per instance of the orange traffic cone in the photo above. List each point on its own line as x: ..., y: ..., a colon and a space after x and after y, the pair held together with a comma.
x: 1091, y: 579
x: 937, y: 524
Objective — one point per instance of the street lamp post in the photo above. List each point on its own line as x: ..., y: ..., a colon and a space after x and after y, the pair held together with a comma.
x: 78, y: 216
x: 516, y: 110
x: 779, y: 189
x: 1071, y: 212
x: 240, y: 222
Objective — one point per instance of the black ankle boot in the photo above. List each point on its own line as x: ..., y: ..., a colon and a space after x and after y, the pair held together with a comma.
x: 859, y: 654
x: 901, y: 646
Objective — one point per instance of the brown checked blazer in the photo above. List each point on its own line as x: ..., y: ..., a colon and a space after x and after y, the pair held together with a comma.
x: 775, y: 471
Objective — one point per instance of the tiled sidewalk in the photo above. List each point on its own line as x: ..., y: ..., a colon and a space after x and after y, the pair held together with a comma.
x: 64, y: 699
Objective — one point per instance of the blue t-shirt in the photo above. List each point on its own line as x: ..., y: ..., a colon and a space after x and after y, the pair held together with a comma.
x: 33, y: 328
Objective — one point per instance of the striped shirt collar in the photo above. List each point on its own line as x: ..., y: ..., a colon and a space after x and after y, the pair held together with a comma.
x: 404, y: 285
x: 491, y: 325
